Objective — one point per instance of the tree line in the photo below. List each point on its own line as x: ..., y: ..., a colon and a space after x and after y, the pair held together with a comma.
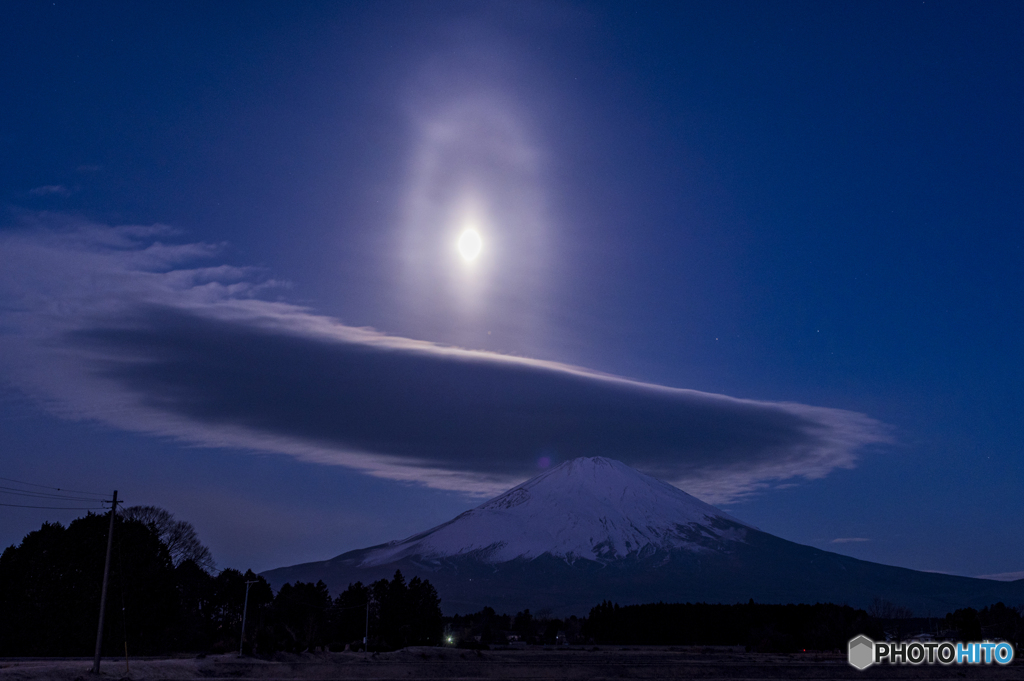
x: 790, y: 628
x: 163, y: 598
x: 390, y: 614
x: 756, y: 626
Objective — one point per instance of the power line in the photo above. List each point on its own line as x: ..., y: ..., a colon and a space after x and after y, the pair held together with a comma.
x: 37, y: 492
x: 54, y: 494
x: 58, y: 489
x: 42, y: 495
x: 58, y: 508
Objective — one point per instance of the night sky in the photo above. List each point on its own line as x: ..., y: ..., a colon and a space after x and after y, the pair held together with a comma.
x: 769, y: 252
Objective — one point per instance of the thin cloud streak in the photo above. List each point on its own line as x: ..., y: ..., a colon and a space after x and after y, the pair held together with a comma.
x: 117, y: 326
x: 1004, y: 576
x: 50, y: 190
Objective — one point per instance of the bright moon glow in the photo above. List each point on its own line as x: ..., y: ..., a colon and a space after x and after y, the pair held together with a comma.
x: 470, y: 244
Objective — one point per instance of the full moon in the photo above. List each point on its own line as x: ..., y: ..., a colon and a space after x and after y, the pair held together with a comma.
x: 470, y: 244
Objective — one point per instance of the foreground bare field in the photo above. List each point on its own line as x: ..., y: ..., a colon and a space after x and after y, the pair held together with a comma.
x: 607, y: 662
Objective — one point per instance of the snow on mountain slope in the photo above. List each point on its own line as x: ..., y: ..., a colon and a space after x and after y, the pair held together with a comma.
x: 588, y: 508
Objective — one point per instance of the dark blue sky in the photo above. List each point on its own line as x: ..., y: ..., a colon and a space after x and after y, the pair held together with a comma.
x: 229, y: 283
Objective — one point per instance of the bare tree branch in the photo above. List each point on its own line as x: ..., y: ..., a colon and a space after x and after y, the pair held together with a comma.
x: 178, y: 536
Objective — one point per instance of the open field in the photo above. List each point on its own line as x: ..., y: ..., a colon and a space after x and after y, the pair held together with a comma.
x: 605, y: 662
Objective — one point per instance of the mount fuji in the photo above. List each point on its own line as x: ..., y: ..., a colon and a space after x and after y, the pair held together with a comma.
x: 592, y: 529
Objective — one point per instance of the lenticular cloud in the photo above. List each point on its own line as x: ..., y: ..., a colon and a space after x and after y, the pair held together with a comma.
x: 122, y: 326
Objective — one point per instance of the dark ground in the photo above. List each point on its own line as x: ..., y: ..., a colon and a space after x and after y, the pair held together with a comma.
x: 606, y: 662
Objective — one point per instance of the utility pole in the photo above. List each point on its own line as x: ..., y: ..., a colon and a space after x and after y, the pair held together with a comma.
x: 366, y: 636
x: 103, y: 591
x: 245, y: 609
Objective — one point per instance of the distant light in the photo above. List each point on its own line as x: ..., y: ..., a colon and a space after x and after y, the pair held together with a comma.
x: 450, y: 639
x: 470, y: 244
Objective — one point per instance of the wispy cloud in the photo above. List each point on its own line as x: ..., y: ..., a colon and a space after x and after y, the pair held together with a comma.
x: 848, y: 540
x: 1004, y: 576
x: 118, y: 325
x: 50, y: 190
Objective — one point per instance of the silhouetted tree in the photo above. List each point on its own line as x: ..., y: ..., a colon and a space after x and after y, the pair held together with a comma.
x: 488, y: 621
x: 389, y: 610
x: 998, y: 621
x: 551, y: 630
x: 893, y: 617
x: 966, y: 623
x: 50, y: 584
x: 523, y: 624
x: 196, y: 596
x: 404, y: 614
x: 347, y: 616
x: 300, y: 611
x: 179, y: 536
x: 424, y: 614
x: 227, y: 605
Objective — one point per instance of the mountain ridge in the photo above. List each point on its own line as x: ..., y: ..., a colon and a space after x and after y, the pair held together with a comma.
x: 630, y: 538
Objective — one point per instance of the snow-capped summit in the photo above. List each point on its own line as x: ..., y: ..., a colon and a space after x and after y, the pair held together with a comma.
x: 585, y: 509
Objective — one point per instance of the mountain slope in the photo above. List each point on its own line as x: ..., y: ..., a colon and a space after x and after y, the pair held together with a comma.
x: 594, y: 529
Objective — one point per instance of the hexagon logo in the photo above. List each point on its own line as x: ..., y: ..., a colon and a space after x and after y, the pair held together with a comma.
x: 861, y: 652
